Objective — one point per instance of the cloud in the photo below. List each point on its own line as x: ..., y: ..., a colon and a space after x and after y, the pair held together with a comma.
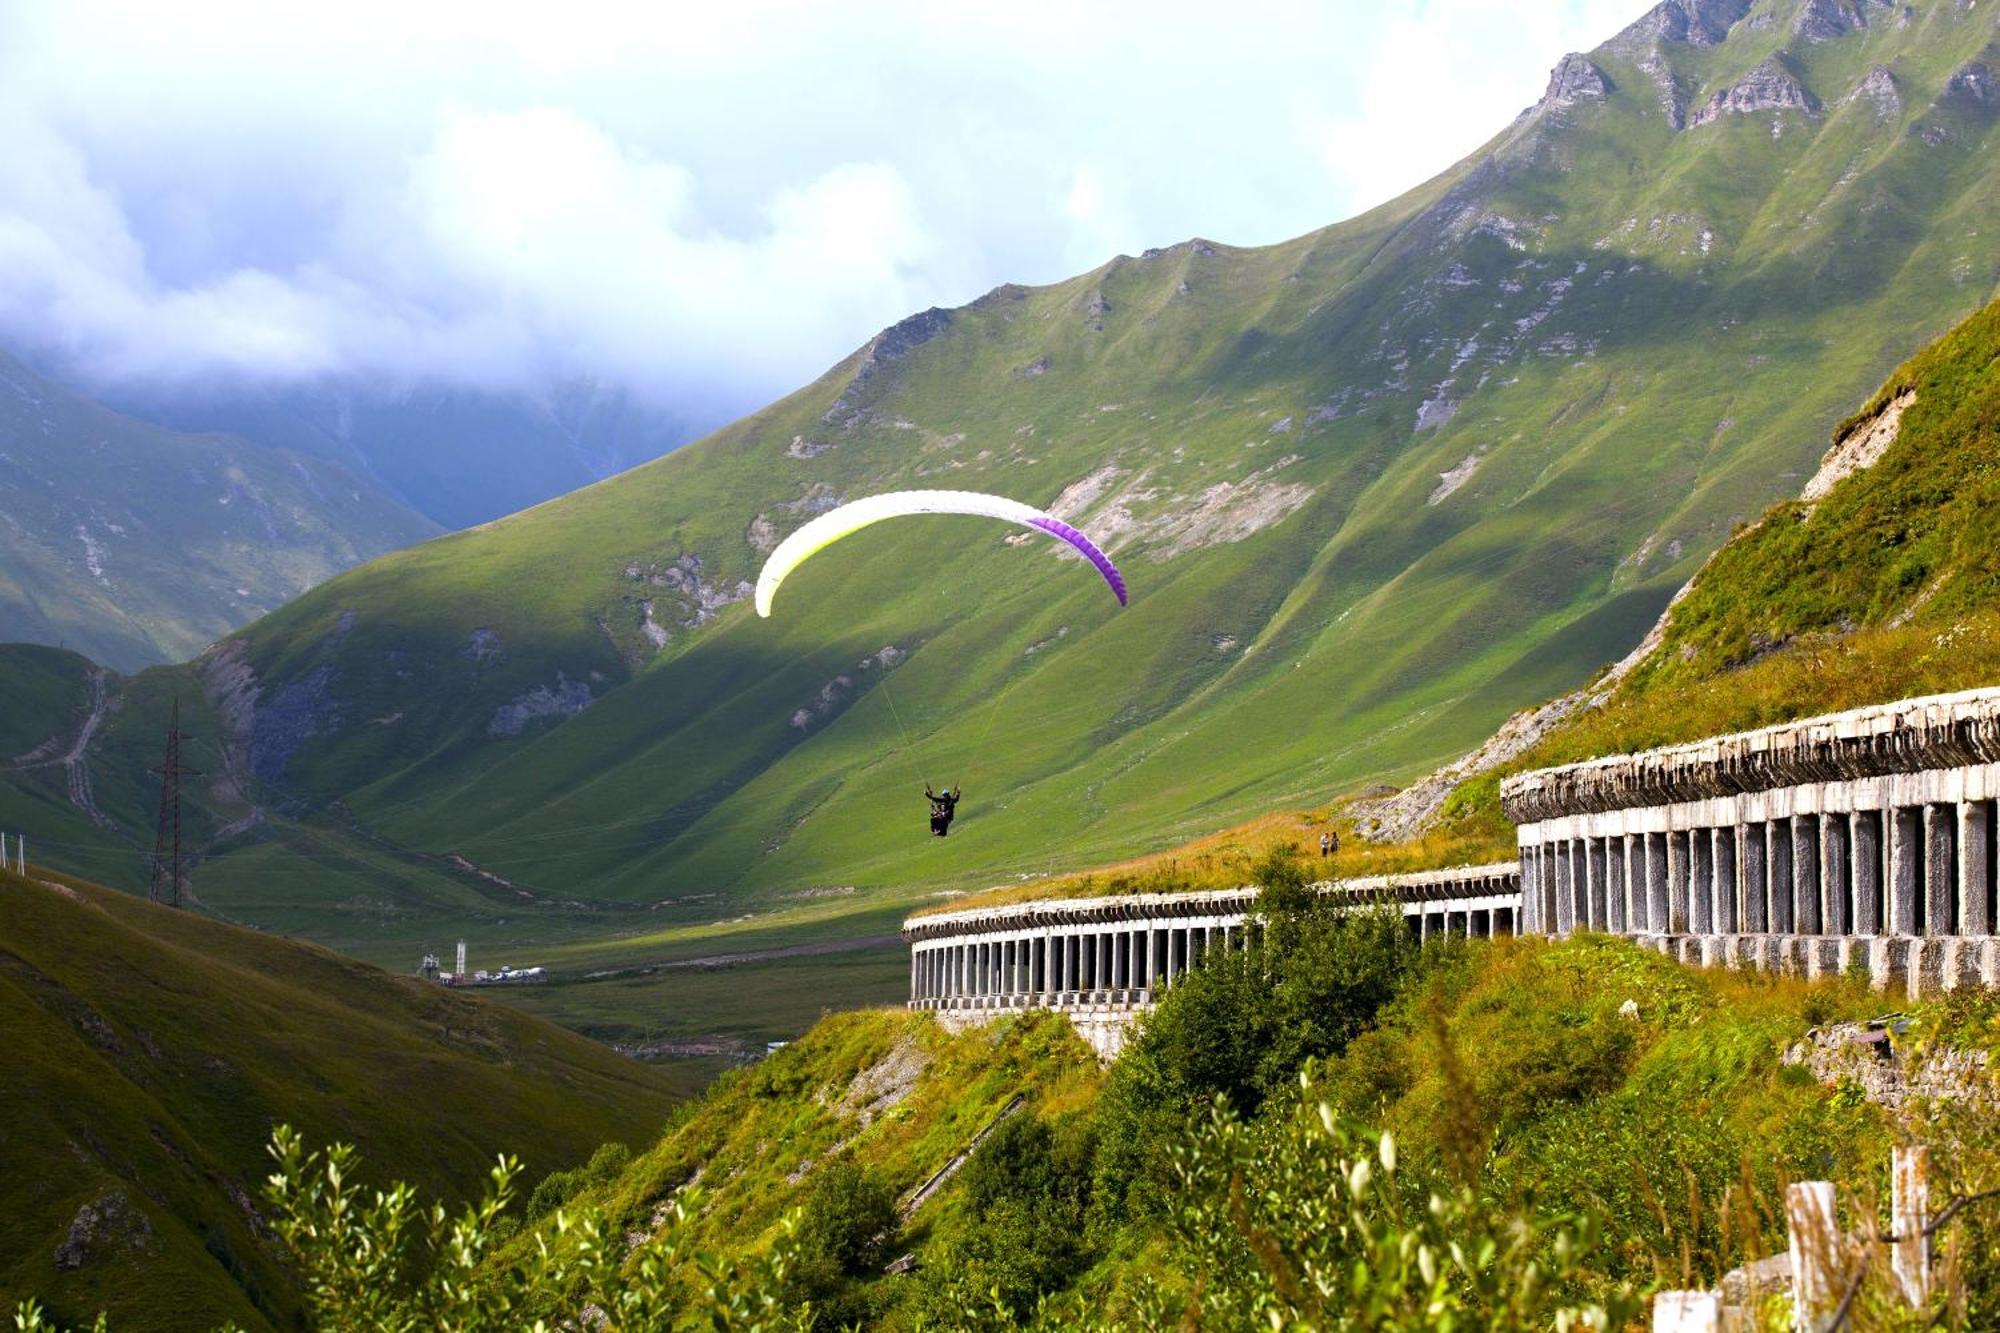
x: 707, y: 205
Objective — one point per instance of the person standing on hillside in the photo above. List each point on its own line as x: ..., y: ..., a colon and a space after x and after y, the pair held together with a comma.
x: 1326, y: 844
x: 944, y: 805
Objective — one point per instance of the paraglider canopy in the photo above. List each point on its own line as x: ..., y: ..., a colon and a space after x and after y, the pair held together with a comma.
x: 831, y: 526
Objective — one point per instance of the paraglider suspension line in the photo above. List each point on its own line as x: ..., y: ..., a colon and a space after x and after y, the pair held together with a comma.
x: 909, y: 751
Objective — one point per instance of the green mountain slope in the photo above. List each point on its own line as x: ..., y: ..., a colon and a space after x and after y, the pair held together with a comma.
x: 137, y: 545
x: 1374, y: 489
x: 1881, y: 582
x: 149, y: 1053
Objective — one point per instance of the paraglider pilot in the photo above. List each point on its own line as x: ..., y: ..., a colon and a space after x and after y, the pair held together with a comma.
x: 944, y: 804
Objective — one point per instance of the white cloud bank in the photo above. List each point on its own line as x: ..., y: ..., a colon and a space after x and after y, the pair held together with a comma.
x: 706, y: 205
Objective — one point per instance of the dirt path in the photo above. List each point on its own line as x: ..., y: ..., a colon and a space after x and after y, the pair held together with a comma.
x: 76, y: 763
x: 749, y: 956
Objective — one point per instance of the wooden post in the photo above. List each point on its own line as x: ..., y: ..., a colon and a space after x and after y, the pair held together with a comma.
x: 1815, y: 1251
x: 1686, y: 1312
x: 1909, y: 1214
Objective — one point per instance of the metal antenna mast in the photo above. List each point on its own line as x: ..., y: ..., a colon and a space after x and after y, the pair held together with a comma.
x: 168, y: 871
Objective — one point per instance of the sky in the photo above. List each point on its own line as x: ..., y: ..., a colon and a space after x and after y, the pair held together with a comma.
x: 708, y: 205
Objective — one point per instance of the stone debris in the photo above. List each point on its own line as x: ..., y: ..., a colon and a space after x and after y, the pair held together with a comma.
x: 102, y: 1228
x: 483, y: 646
x: 1455, y: 478
x: 1141, y: 515
x: 883, y: 1085
x: 1859, y: 449
x: 838, y: 692
x: 1868, y: 1056
x: 566, y: 699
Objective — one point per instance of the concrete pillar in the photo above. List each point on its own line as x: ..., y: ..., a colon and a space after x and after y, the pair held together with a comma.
x: 1940, y: 878
x: 1615, y: 898
x: 1579, y: 883
x: 1656, y: 883
x: 1778, y: 836
x: 1728, y: 893
x: 1701, y: 882
x: 1553, y: 881
x: 1864, y: 845
x: 1836, y: 876
x: 1755, y: 877
x: 1805, y: 874
x: 1530, y: 880
x: 1975, y: 872
x: 1677, y: 881
x: 1565, y: 915
x: 1600, y: 895
x: 1906, y: 900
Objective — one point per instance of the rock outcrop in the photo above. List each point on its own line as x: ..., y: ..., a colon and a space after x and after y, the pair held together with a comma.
x: 1771, y: 86
x: 1824, y: 20
x: 1878, y: 89
x: 566, y: 699
x: 1695, y: 22
x: 1973, y: 85
x: 1574, y: 79
x: 104, y: 1228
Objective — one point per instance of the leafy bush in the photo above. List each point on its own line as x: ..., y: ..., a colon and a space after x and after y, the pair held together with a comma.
x: 1022, y: 1234
x: 1304, y: 1222
x: 557, y: 1187
x: 847, y: 1227
x: 1243, y: 1024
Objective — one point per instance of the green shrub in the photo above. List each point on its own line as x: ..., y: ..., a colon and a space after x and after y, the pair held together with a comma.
x: 558, y: 1187
x: 1303, y: 1222
x: 848, y: 1226
x: 1242, y: 1025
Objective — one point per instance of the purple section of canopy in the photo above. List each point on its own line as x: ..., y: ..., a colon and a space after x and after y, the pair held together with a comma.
x: 1056, y: 527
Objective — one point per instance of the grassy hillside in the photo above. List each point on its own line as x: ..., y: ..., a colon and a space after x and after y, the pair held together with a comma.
x: 1347, y: 1130
x: 1885, y: 587
x: 151, y: 1051
x: 1374, y: 489
x: 1511, y: 1069
x: 137, y: 545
